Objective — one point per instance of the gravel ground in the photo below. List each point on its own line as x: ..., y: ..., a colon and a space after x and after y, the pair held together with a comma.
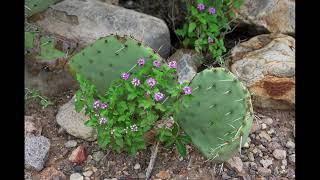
x: 268, y: 154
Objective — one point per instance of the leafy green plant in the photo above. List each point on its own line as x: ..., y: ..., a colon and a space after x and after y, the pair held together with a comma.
x: 206, y: 23
x: 146, y: 95
x: 34, y: 94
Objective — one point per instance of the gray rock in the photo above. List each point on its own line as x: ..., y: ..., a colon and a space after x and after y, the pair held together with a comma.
x: 268, y: 121
x: 264, y: 171
x: 70, y: 144
x: 290, y: 145
x: 76, y: 176
x: 279, y: 154
x: 266, y: 162
x: 274, y: 15
x: 87, y: 21
x: 250, y: 156
x: 292, y: 158
x: 264, y: 135
x: 73, y: 122
x: 36, y: 152
x: 235, y: 163
x: 187, y: 63
x: 273, y: 145
x: 97, y: 156
x: 266, y: 65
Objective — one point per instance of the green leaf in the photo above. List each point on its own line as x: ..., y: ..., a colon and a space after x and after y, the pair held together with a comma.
x: 175, y: 129
x: 103, y: 137
x: 181, y: 148
x: 192, y: 26
x: 119, y: 142
x: 160, y: 107
x: 91, y: 122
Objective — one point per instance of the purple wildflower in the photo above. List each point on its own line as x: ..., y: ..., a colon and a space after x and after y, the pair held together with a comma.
x: 156, y: 63
x: 103, y: 106
x: 151, y: 82
x: 210, y: 40
x: 102, y: 120
x: 212, y: 10
x: 172, y: 64
x: 96, y: 104
x: 125, y: 76
x: 135, y: 82
x: 158, y: 96
x: 200, y: 7
x: 187, y: 90
x: 140, y: 62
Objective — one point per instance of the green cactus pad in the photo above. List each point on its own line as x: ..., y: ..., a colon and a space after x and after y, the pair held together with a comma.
x: 219, y: 116
x: 108, y: 57
x: 28, y: 40
x: 35, y: 6
x: 46, y: 51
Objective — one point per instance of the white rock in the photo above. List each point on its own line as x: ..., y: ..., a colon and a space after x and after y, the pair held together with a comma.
x: 76, y: 176
x: 136, y: 166
x: 263, y: 126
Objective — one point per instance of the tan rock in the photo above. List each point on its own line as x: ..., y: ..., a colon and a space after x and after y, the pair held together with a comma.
x: 163, y: 175
x: 266, y: 65
x: 50, y: 173
x: 274, y: 15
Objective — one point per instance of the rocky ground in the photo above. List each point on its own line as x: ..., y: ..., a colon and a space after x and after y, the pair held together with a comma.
x: 52, y: 153
x: 268, y: 154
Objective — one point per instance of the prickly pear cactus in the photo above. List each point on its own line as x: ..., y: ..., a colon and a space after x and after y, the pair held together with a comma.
x: 219, y: 116
x: 108, y: 57
x: 42, y: 47
x: 35, y: 6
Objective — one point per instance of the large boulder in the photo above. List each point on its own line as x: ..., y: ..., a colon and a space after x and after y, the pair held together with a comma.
x: 266, y: 65
x: 274, y: 15
x: 87, y: 21
x: 73, y: 122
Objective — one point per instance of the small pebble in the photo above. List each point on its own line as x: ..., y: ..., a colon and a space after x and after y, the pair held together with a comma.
x: 251, y: 157
x: 292, y: 158
x: 70, y: 144
x: 268, y: 121
x: 136, y: 166
x: 76, y: 176
x: 263, y: 126
x: 290, y: 145
x: 97, y: 156
x: 264, y: 171
x: 87, y: 173
x: 279, y: 154
x: 266, y: 163
x: 284, y: 162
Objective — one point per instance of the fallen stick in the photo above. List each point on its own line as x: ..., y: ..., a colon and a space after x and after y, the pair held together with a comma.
x: 152, y: 160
